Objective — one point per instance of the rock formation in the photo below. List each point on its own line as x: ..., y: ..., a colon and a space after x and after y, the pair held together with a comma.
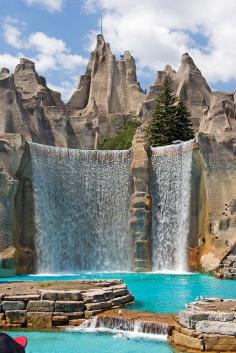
x: 189, y: 85
x: 29, y: 111
x: 12, y: 115
x: 206, y: 325
x: 217, y: 141
x: 192, y: 88
x: 29, y: 108
x: 107, y: 93
x: 108, y: 83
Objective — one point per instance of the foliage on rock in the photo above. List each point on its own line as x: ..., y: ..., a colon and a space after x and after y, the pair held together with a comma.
x: 122, y: 140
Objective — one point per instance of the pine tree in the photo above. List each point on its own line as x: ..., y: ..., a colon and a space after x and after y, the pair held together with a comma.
x: 183, y: 125
x: 170, y: 119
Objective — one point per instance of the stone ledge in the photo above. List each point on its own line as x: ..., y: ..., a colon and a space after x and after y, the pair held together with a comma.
x: 30, y: 304
x: 207, y: 325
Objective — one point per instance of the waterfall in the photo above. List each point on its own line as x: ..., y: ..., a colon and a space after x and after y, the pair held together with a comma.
x: 170, y: 188
x: 118, y: 324
x: 81, y: 205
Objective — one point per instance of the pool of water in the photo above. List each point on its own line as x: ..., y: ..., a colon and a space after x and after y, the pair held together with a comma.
x: 159, y: 292
x: 164, y: 293
x: 67, y: 342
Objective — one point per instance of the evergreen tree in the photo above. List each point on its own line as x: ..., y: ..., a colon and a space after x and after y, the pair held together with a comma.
x: 170, y: 119
x: 183, y: 125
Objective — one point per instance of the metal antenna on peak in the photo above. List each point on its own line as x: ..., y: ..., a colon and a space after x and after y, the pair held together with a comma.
x: 101, y: 26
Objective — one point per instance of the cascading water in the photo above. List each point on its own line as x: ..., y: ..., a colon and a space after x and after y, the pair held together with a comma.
x: 81, y: 201
x: 137, y: 328
x: 170, y: 188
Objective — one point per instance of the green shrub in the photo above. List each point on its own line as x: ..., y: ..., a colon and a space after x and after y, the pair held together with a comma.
x: 122, y: 140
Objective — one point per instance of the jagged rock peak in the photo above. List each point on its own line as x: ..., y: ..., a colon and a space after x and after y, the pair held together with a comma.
x: 110, y: 82
x: 31, y: 85
x: 101, y: 41
x: 102, y: 47
x: 4, y: 72
x: 188, y: 63
x: 168, y: 70
x: 25, y: 64
x: 186, y: 58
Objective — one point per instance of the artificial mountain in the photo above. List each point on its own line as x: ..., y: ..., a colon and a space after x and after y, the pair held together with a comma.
x: 108, y: 94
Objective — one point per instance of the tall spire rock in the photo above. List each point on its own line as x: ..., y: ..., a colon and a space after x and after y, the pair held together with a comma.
x: 107, y: 95
x: 110, y: 82
x: 31, y: 85
x: 189, y: 85
x: 155, y: 88
x: 12, y: 118
x: 192, y: 87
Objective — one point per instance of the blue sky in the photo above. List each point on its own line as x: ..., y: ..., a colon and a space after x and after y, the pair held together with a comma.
x: 59, y: 34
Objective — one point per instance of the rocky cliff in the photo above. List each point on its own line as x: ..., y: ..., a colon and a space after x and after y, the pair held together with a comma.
x: 29, y: 111
x: 217, y: 141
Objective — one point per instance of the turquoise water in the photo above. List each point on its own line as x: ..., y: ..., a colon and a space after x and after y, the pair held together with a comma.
x: 153, y: 292
x: 65, y: 342
x: 159, y: 292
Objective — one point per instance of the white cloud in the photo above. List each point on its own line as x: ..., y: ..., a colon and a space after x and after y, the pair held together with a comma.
x: 49, y: 5
x: 11, y: 33
x: 158, y: 31
x: 66, y: 88
x: 50, y: 54
x: 9, y: 61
